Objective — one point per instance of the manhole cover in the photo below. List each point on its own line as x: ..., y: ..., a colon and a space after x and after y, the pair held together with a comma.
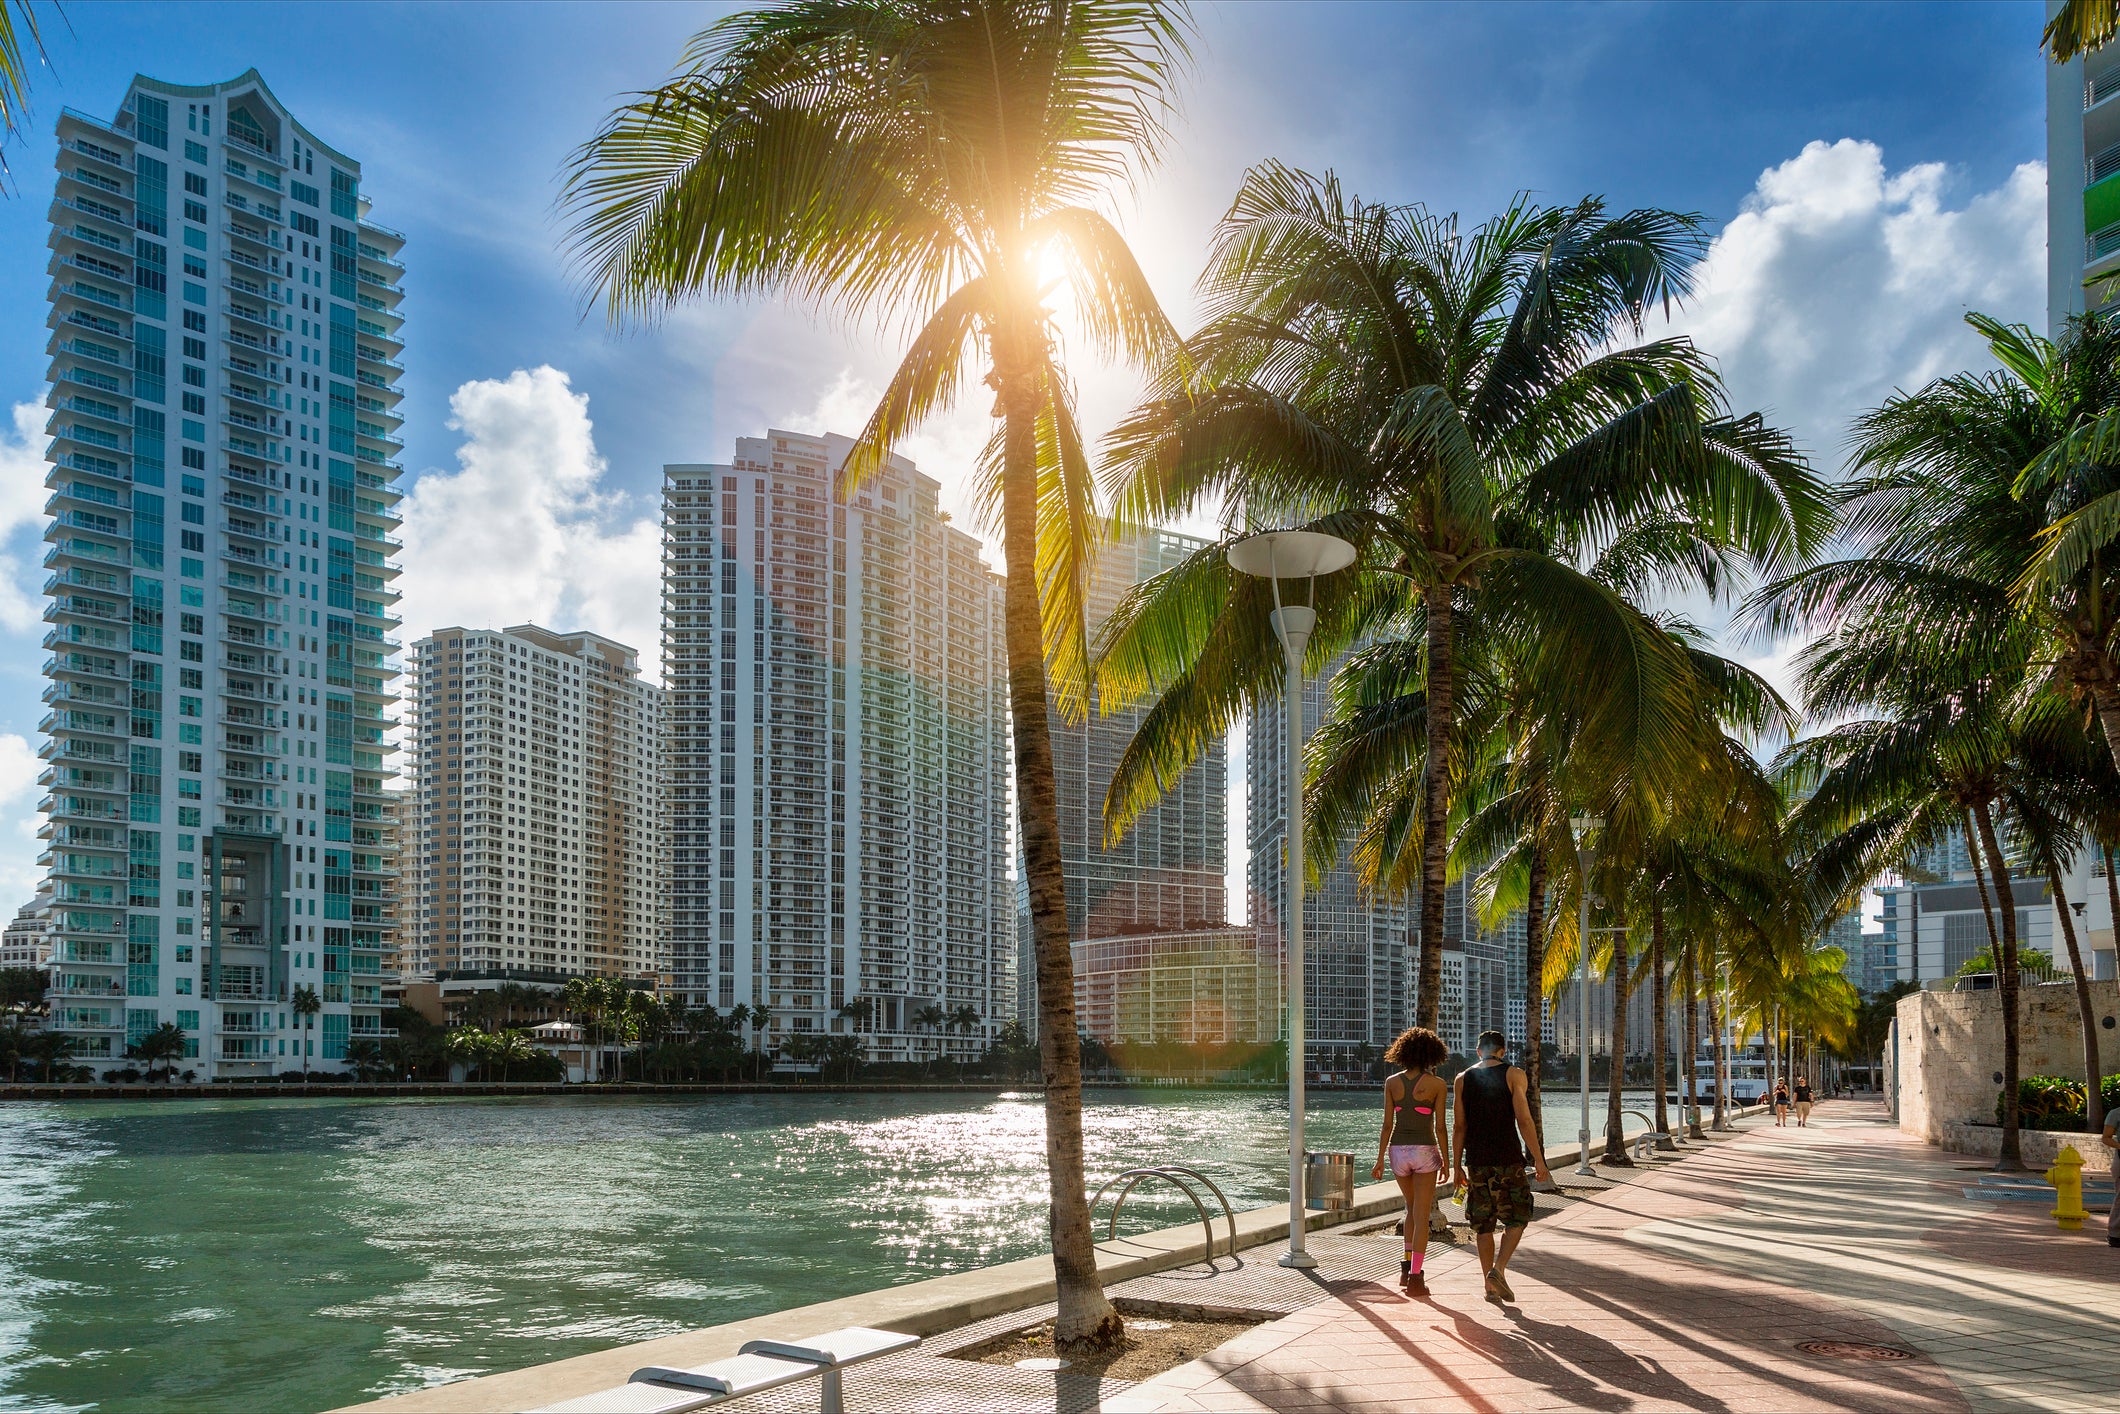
x: 1852, y: 1350
x: 1043, y: 1362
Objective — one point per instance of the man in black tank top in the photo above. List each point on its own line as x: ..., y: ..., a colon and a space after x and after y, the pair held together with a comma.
x: 1489, y: 1145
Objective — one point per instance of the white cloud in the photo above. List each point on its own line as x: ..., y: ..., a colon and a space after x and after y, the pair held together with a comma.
x: 524, y: 531
x: 19, y: 767
x: 21, y: 508
x: 1839, y: 281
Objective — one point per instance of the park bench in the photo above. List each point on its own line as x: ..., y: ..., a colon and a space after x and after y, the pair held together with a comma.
x: 757, y: 1366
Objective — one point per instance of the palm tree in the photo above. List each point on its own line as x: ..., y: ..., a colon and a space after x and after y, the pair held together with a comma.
x: 1450, y: 404
x: 937, y: 161
x: 48, y: 1051
x: 2078, y: 27
x: 1958, y: 609
x: 468, y: 1046
x: 583, y: 998
x: 761, y: 1042
x: 366, y: 1058
x: 306, y: 1006
x: 21, y: 49
x: 930, y: 1019
x: 164, y: 1044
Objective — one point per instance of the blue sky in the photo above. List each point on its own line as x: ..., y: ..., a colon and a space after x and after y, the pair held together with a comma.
x: 1843, y: 275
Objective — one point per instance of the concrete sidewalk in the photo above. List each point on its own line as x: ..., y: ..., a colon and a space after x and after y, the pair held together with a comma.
x: 1697, y: 1285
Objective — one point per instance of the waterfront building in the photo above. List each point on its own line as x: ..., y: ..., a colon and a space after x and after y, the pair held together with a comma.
x: 224, y: 346
x: 2082, y: 182
x: 1169, y: 873
x: 1931, y: 929
x: 1358, y: 971
x: 1201, y: 986
x: 1361, y: 953
x: 26, y: 941
x: 536, y: 849
x: 837, y: 752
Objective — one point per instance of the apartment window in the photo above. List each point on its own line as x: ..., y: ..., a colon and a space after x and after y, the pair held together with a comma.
x: 195, y: 184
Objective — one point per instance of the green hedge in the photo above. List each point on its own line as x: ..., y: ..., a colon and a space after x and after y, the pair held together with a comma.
x: 2056, y: 1102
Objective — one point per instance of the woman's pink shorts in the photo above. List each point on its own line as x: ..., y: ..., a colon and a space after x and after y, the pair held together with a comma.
x: 1410, y: 1159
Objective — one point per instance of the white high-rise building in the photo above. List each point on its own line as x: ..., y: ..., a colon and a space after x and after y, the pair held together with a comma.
x: 1361, y: 953
x: 1169, y: 874
x: 2082, y: 183
x: 225, y: 331
x: 536, y: 849
x: 837, y: 751
x: 1358, y: 966
x: 26, y: 941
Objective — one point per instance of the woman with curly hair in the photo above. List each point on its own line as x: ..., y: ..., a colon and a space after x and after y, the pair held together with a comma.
x: 1414, y: 1139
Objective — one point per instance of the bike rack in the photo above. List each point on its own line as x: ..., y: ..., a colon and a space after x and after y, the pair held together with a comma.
x: 1176, y: 1175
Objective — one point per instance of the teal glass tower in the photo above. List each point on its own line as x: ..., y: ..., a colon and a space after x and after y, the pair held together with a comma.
x: 225, y: 331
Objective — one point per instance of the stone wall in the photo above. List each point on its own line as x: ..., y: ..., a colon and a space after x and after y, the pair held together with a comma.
x: 1946, y: 1066
x: 2037, y: 1147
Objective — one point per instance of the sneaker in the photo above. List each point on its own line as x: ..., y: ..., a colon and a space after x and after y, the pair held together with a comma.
x: 1501, y: 1283
x: 1415, y: 1284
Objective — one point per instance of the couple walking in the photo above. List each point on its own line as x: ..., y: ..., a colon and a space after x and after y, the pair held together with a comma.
x: 1488, y: 1148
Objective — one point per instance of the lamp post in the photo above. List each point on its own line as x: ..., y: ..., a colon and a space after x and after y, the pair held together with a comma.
x: 1275, y: 555
x: 1583, y: 859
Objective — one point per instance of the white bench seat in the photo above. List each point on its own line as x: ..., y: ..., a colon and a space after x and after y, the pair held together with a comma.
x: 758, y: 1365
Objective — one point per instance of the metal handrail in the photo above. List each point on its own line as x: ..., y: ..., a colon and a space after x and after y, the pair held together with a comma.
x: 1172, y: 1174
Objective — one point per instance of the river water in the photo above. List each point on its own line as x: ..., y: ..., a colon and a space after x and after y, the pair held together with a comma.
x: 302, y: 1254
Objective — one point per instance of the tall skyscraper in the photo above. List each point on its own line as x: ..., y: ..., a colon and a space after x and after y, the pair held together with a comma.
x: 225, y: 334
x: 1170, y: 873
x: 1361, y: 954
x: 837, y: 750
x: 537, y: 848
x: 2082, y: 182
x: 1358, y: 972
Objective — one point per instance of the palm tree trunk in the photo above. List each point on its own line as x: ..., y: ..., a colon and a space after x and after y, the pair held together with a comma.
x: 1535, y: 991
x: 1435, y: 828
x: 1615, y: 1118
x: 1722, y: 1069
x: 2011, y: 1157
x: 1086, y: 1320
x: 2093, y: 1094
x: 1660, y: 1020
x: 1691, y: 1041
x: 2106, y: 697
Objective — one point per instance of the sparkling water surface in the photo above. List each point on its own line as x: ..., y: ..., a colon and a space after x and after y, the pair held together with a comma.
x: 302, y: 1254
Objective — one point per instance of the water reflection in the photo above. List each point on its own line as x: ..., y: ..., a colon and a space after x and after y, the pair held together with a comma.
x: 302, y: 1254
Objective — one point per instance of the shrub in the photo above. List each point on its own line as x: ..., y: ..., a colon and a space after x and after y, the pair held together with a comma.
x: 2056, y: 1102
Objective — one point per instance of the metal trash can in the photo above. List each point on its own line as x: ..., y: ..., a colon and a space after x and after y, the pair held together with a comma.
x: 1328, y: 1182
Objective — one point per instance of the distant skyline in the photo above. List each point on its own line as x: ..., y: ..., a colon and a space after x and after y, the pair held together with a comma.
x: 1871, y: 171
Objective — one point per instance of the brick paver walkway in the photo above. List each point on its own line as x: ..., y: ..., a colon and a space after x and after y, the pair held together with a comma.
x: 1693, y: 1287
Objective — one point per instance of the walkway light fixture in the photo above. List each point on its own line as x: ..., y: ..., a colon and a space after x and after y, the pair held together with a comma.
x: 1584, y: 858
x: 1275, y: 555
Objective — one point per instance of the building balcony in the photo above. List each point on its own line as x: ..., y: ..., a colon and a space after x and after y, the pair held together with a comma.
x: 102, y: 213
x: 249, y: 316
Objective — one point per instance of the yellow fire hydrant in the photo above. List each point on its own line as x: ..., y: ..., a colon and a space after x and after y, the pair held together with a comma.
x: 2067, y: 1177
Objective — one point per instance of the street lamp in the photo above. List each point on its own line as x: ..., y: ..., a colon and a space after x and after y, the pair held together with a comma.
x: 1275, y: 555
x: 1584, y: 856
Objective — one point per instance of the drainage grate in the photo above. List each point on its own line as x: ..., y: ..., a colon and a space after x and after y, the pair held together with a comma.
x: 1852, y: 1350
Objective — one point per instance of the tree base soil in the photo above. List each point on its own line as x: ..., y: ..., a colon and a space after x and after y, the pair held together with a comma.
x: 1151, y: 1346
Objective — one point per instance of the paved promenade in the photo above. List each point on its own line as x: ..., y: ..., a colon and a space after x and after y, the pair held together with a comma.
x: 1696, y: 1284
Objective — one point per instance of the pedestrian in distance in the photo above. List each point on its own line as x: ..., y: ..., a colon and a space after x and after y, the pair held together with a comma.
x: 1492, y: 1138
x: 1781, y: 1104
x: 1414, y: 1139
x: 1803, y: 1101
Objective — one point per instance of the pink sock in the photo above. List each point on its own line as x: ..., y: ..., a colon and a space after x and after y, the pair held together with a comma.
x: 1416, y: 1258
